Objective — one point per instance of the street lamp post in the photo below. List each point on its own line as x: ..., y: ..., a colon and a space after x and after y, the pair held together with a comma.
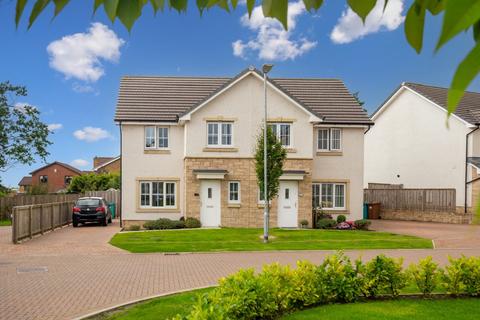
x: 265, y: 68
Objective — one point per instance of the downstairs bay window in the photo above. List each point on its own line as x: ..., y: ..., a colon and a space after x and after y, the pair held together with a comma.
x: 158, y: 194
x: 330, y: 196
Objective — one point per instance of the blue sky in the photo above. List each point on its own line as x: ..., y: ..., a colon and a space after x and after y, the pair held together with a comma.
x: 373, y: 60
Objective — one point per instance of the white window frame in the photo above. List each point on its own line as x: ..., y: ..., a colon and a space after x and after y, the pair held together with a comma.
x: 330, y: 143
x: 156, y: 138
x: 318, y: 187
x: 164, y: 194
x: 220, y: 134
x: 277, y: 132
x: 230, y: 200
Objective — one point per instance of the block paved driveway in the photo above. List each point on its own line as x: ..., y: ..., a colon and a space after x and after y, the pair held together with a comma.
x: 72, y: 272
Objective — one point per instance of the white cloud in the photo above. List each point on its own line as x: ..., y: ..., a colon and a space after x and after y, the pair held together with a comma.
x: 350, y: 27
x: 79, y: 163
x: 272, y: 42
x: 82, y: 88
x: 91, y: 134
x: 79, y: 55
x: 55, y: 126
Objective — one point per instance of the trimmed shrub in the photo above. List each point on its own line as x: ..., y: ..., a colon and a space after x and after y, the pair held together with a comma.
x: 452, y: 276
x: 470, y: 275
x: 326, y: 224
x: 133, y: 227
x: 304, y: 223
x: 383, y: 275
x: 192, y: 223
x: 362, y: 224
x: 426, y: 275
x: 163, y: 224
x: 339, y: 279
x: 306, y: 284
x: 341, y: 218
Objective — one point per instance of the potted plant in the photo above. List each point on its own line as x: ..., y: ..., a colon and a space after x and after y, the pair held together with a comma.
x: 304, y: 224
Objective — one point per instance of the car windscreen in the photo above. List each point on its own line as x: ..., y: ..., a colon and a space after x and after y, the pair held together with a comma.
x: 88, y: 203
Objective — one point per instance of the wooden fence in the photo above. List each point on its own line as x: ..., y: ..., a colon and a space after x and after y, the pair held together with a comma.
x: 36, y: 219
x: 7, y: 203
x: 443, y: 200
x: 384, y: 186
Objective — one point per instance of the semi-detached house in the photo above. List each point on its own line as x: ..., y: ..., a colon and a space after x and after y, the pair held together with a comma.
x: 187, y: 146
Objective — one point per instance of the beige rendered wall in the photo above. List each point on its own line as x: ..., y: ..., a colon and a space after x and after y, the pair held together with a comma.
x: 244, y: 104
x: 346, y: 166
x: 138, y: 163
x: 410, y: 138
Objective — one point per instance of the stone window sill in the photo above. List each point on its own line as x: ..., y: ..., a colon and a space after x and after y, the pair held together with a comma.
x: 234, y: 205
x: 156, y: 151
x: 210, y: 149
x: 329, y: 153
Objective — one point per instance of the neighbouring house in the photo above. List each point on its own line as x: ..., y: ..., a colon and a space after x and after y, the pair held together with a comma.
x: 55, y: 176
x: 25, y: 184
x: 413, y: 144
x: 106, y: 164
x: 187, y: 146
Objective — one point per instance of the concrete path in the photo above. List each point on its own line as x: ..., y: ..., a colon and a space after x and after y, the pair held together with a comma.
x: 72, y: 272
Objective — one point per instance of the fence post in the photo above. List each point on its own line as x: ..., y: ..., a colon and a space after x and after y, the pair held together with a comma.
x: 52, y: 226
x: 30, y: 222
x: 14, y: 225
x: 424, y: 199
x: 41, y: 219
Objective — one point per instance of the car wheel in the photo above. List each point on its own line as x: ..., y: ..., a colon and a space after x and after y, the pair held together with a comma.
x: 75, y: 223
x: 110, y: 219
x: 105, y: 222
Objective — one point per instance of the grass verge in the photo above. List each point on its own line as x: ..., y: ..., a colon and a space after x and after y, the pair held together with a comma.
x: 402, y: 309
x: 233, y: 239
x: 4, y: 223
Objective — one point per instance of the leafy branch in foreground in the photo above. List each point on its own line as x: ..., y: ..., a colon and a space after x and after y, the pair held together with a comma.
x: 458, y: 16
x: 23, y: 136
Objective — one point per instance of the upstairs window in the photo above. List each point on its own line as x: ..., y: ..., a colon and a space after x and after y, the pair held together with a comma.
x: 67, y: 180
x: 156, y: 137
x: 219, y: 134
x: 329, y: 139
x: 43, y: 179
x: 282, y: 132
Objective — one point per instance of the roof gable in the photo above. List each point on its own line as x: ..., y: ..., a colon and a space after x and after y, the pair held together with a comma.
x: 468, y: 109
x: 166, y: 99
x: 69, y: 167
x: 106, y: 163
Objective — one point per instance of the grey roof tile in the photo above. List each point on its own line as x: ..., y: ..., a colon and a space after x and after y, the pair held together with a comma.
x: 167, y: 98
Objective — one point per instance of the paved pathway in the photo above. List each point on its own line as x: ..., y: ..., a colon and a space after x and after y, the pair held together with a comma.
x: 72, y: 272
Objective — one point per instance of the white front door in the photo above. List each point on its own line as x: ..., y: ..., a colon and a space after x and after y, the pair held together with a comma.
x: 210, y: 207
x: 288, y: 204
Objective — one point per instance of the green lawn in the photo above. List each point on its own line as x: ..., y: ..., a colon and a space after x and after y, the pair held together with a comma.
x: 156, y: 309
x: 4, y: 223
x: 406, y: 309
x: 402, y: 309
x: 229, y: 239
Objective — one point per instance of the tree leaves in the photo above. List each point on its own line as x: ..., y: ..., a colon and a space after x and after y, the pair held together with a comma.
x: 128, y: 11
x: 414, y: 25
x: 277, y: 9
x: 59, y: 5
x: 110, y: 7
x: 19, y: 10
x: 312, y: 4
x: 250, y: 6
x: 459, y: 16
x: 37, y: 9
x: 362, y: 7
x: 468, y: 69
x: 476, y: 31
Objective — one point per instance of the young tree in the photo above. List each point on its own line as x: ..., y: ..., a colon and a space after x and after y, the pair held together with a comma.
x: 276, y: 156
x: 22, y: 135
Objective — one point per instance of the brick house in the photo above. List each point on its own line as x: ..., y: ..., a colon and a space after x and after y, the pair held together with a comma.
x: 55, y: 176
x: 187, y: 147
x: 106, y: 164
x: 25, y: 184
